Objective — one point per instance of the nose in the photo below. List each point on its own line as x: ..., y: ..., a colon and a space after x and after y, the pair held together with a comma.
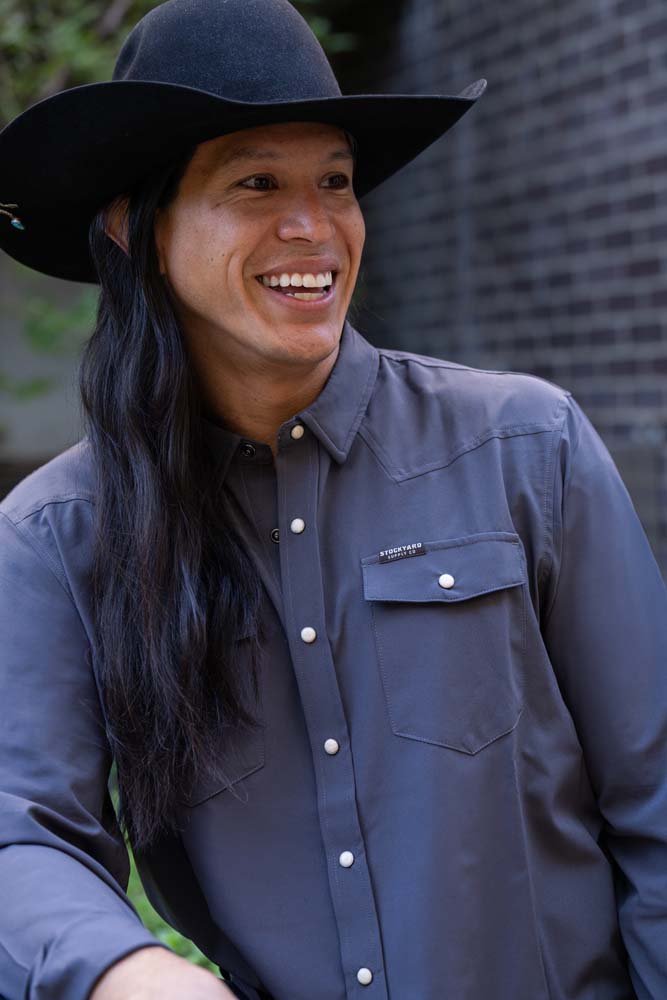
x: 306, y: 217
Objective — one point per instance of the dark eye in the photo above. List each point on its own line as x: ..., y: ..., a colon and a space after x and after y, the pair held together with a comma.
x: 257, y: 177
x: 261, y: 182
x: 340, y: 177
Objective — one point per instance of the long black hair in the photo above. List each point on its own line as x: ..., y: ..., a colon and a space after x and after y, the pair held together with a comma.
x: 172, y: 588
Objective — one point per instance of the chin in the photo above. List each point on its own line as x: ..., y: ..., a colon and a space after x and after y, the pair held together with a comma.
x: 315, y: 338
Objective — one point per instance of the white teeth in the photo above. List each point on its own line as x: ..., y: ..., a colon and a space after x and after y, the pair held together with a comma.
x: 298, y: 280
x: 306, y: 296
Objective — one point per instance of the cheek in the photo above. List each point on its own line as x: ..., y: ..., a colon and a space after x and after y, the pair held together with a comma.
x: 357, y: 232
x: 199, y: 259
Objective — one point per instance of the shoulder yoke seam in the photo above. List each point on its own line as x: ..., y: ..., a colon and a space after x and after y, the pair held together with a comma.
x: 39, y: 551
x: 503, y: 432
x: 406, y: 357
x: 41, y: 504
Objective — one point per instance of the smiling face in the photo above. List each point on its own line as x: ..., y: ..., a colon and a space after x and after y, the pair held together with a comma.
x: 264, y: 203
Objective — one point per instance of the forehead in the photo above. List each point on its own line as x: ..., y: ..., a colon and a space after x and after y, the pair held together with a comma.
x: 280, y: 141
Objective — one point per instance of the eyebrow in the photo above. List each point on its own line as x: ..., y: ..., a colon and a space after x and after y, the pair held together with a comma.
x: 252, y: 153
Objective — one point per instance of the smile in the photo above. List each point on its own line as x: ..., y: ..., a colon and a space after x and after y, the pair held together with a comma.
x: 300, y: 291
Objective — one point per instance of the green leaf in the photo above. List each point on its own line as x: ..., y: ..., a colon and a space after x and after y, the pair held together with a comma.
x: 26, y: 389
x: 156, y: 925
x: 152, y: 920
x: 59, y: 331
x: 47, y: 47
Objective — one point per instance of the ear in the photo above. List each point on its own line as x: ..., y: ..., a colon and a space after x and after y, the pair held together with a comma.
x: 116, y: 223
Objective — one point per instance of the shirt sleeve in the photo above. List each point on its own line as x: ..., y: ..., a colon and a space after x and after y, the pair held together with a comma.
x: 65, y: 917
x: 605, y: 628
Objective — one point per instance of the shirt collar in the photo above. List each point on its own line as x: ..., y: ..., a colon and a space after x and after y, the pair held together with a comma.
x: 333, y: 416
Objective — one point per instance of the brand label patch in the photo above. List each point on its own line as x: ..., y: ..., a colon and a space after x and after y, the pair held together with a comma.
x: 402, y: 552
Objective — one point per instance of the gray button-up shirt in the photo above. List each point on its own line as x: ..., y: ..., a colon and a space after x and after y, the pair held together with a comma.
x: 460, y: 787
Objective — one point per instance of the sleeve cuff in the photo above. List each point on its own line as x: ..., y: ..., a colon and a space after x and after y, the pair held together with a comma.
x: 72, y: 963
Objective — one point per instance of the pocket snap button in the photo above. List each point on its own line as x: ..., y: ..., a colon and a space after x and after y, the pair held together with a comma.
x: 446, y: 581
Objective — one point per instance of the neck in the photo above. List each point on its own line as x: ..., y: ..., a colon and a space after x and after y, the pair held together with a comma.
x: 255, y: 403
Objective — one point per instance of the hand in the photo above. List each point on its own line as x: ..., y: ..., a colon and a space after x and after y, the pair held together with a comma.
x: 153, y: 973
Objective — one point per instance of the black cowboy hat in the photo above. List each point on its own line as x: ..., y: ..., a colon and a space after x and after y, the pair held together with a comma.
x: 189, y: 70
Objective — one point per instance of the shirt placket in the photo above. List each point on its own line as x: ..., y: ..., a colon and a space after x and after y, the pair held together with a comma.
x: 297, y: 465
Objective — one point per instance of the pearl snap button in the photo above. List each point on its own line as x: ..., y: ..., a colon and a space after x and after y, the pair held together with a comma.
x: 446, y: 580
x: 297, y: 431
x: 297, y: 525
x: 365, y: 976
x: 308, y: 634
x: 346, y: 859
x: 331, y: 746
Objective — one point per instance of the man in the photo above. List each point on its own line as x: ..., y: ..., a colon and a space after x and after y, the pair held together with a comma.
x: 376, y: 641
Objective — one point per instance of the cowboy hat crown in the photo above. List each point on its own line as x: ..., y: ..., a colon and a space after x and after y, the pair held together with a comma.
x: 254, y: 51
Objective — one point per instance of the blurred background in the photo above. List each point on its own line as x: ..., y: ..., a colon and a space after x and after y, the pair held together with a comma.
x: 530, y: 238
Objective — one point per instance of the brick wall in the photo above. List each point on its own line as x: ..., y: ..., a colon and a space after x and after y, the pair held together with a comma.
x: 533, y: 236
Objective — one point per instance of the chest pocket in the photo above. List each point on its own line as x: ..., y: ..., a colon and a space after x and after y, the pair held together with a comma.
x: 241, y: 754
x: 449, y: 629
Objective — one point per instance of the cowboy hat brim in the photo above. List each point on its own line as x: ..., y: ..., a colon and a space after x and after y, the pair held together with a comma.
x: 69, y: 155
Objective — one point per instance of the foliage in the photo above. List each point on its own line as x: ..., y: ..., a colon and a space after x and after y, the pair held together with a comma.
x: 156, y: 925
x: 47, y: 47
x: 49, y: 330
x: 26, y: 388
x: 152, y: 920
x: 59, y: 332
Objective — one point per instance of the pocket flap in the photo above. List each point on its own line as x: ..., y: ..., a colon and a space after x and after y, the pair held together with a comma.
x: 450, y: 569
